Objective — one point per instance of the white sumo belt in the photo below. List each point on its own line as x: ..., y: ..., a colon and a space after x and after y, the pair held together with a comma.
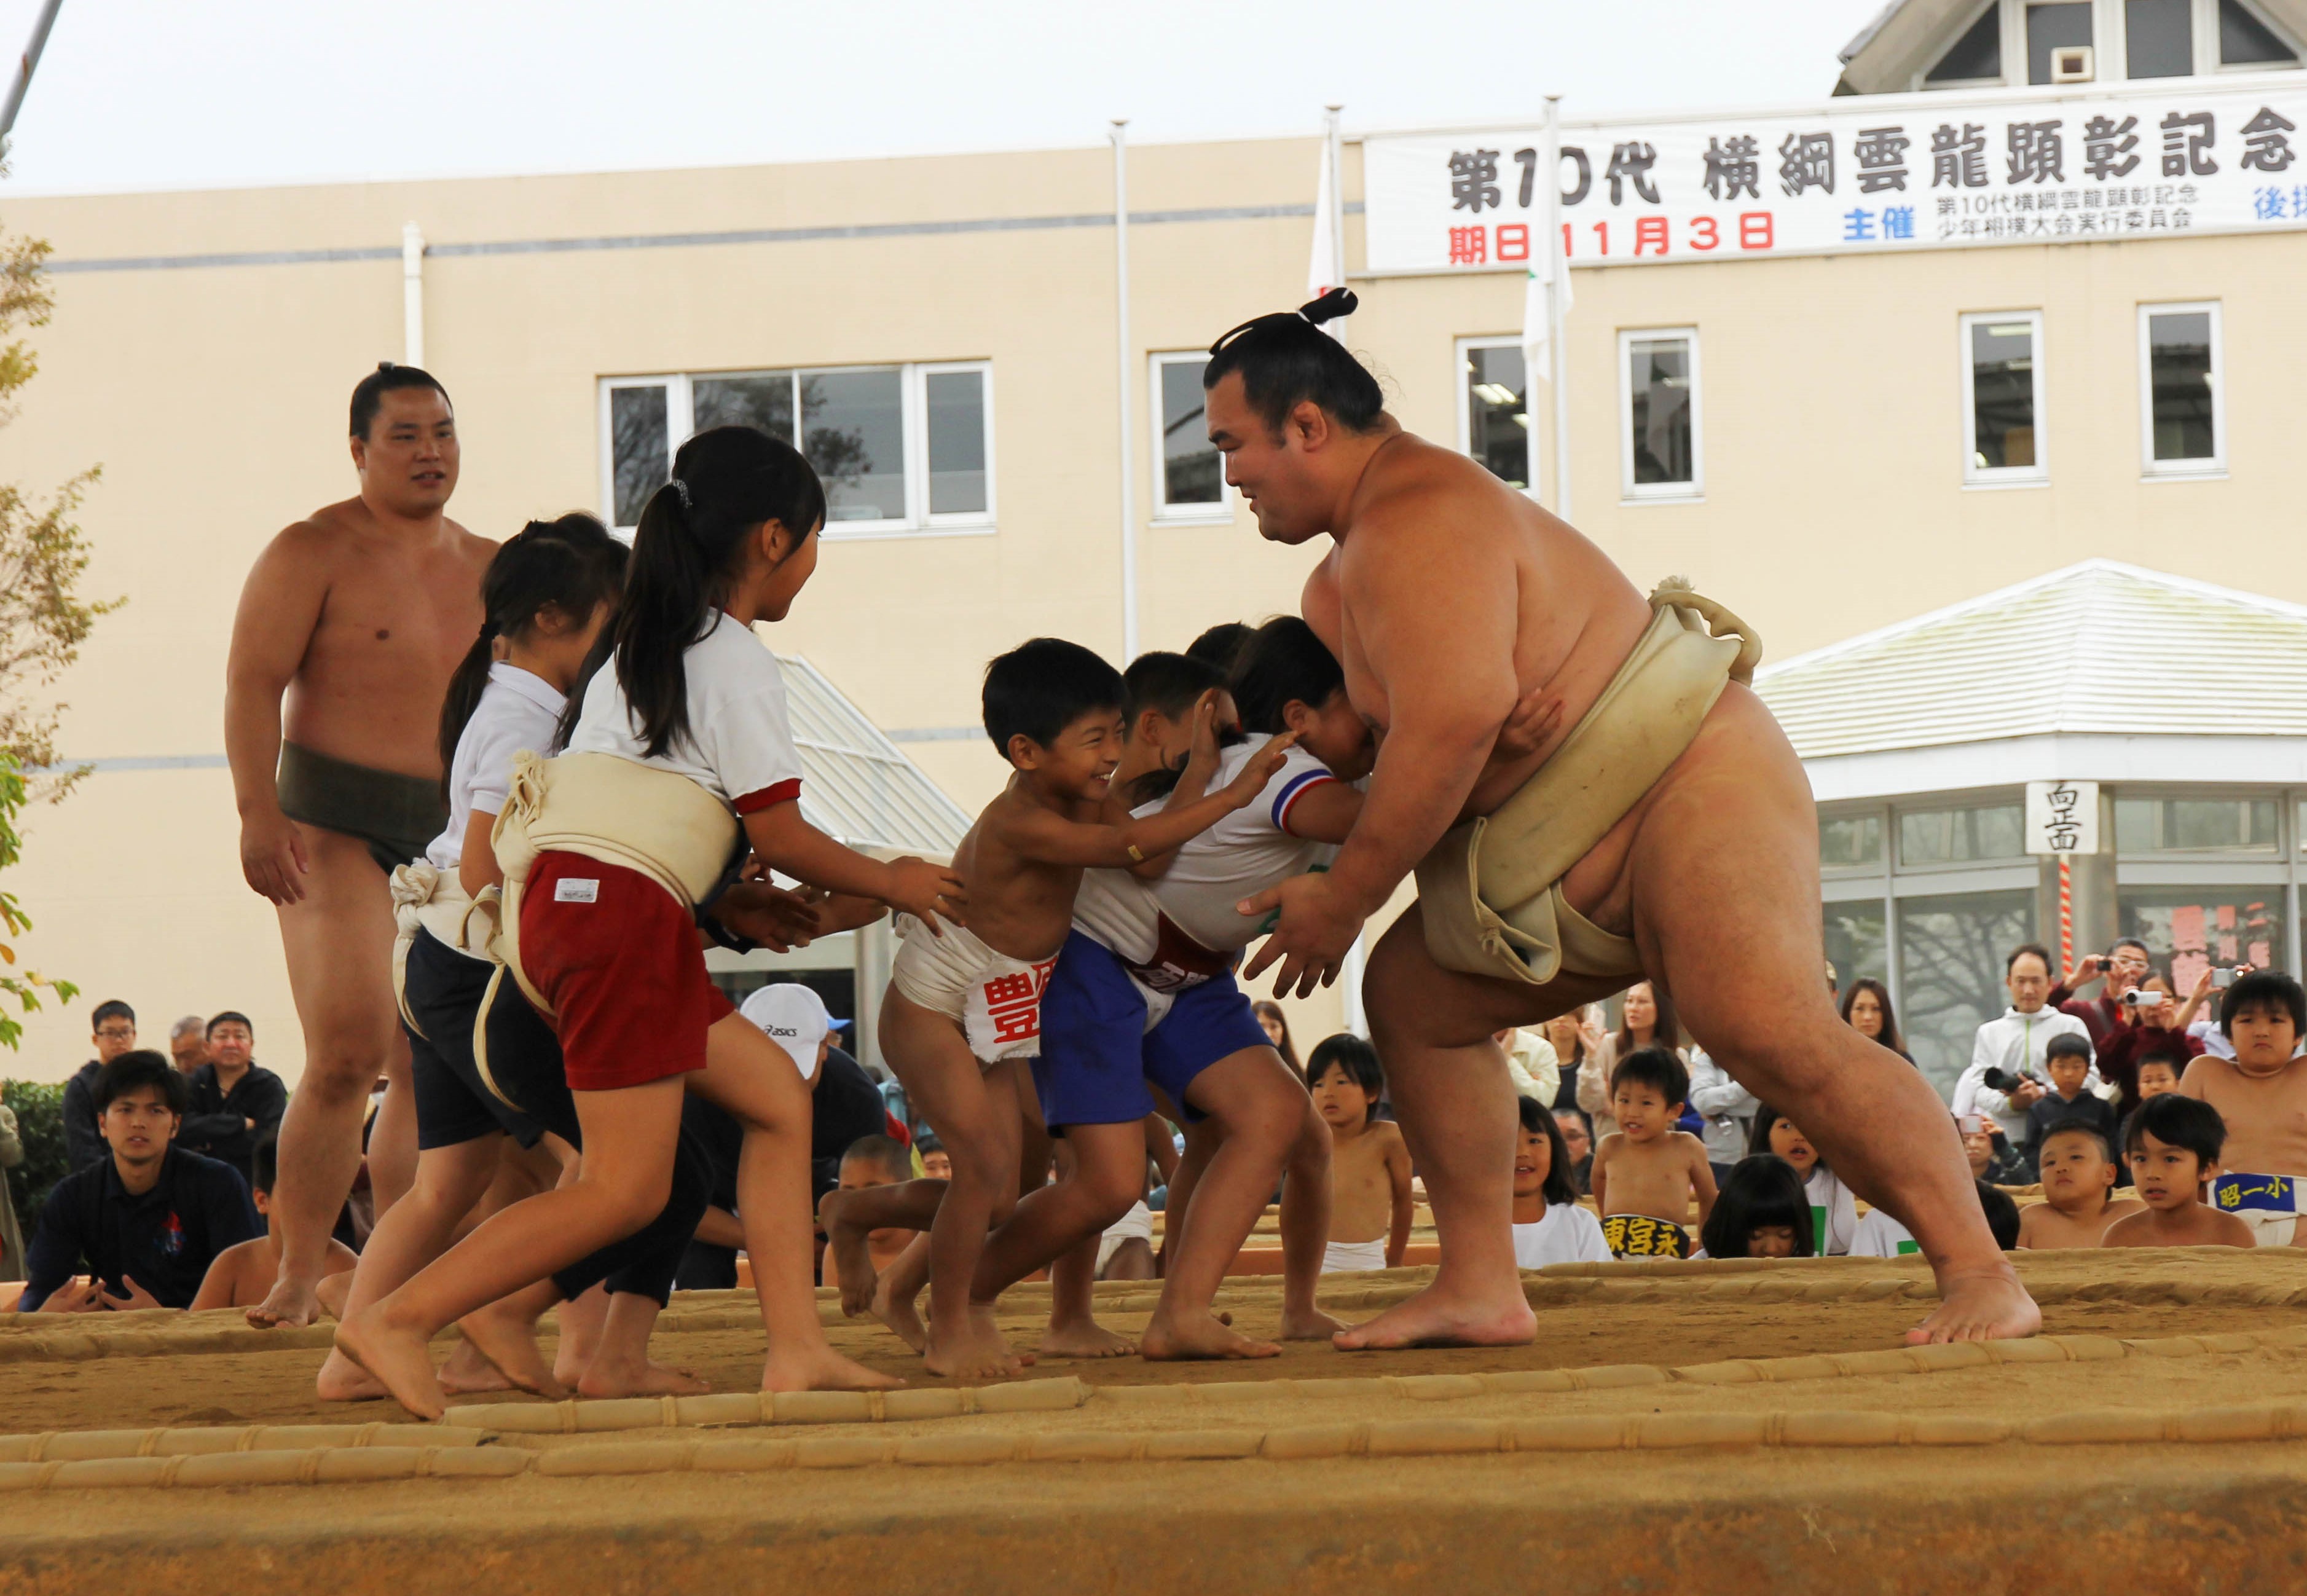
x: 426, y: 899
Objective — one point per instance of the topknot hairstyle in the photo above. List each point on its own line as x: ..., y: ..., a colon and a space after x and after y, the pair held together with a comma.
x: 1286, y: 358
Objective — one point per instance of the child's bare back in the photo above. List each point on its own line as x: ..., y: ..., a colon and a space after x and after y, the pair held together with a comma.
x: 241, y: 1276
x: 1660, y: 1178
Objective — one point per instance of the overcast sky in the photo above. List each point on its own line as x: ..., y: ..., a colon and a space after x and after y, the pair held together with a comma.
x: 137, y: 94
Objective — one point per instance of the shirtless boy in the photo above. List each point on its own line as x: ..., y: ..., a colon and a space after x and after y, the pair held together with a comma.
x: 1671, y: 837
x: 359, y: 614
x: 869, y: 1161
x: 241, y: 1275
x: 963, y: 1009
x: 1647, y: 1172
x: 2079, y: 1201
x: 1371, y: 1205
x: 2174, y: 1144
x: 2262, y: 1095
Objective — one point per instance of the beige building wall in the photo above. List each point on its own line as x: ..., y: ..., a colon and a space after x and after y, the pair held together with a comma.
x: 214, y: 394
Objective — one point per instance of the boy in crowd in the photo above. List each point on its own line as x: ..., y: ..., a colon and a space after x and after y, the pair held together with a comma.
x: 2009, y: 1049
x: 2077, y: 1160
x: 1646, y: 1173
x: 115, y: 1026
x: 242, y: 1274
x: 2161, y: 1067
x: 872, y: 1160
x: 2067, y: 1060
x: 233, y: 1099
x: 1370, y: 1207
x: 965, y: 1007
x: 147, y: 1222
x: 937, y: 1163
x: 2174, y: 1144
x: 2262, y: 1095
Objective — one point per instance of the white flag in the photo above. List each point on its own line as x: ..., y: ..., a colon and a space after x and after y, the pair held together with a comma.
x: 1537, y: 315
x: 1322, y: 273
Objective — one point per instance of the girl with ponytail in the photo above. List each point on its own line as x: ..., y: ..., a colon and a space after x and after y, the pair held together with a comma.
x: 610, y: 949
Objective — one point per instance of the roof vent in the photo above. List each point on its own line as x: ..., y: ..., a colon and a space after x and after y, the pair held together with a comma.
x: 2072, y: 63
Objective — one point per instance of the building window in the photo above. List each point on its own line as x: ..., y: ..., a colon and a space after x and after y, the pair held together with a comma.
x: 2055, y: 27
x: 1658, y: 415
x: 899, y: 448
x: 2190, y: 928
x: 1494, y: 407
x: 2002, y: 399
x: 1950, y: 954
x: 1971, y: 835
x: 1977, y: 56
x: 2194, y: 825
x: 2158, y: 38
x: 2180, y: 427
x: 1850, y: 842
x: 2246, y: 40
x: 1190, y: 484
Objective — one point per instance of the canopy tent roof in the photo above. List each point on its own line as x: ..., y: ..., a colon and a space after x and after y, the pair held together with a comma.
x: 857, y: 785
x: 2088, y: 673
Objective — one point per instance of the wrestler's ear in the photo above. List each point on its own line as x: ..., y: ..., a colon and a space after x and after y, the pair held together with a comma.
x: 1308, y: 424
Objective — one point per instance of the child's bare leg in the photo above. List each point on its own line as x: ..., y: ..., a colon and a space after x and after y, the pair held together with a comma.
x: 896, y: 1289
x: 631, y: 1133
x: 1259, y: 1108
x: 1103, y: 1174
x: 621, y: 1365
x: 749, y: 1076
x: 502, y: 1335
x: 468, y: 1369
x: 974, y: 1111
x: 850, y: 1217
x: 1306, y: 1229
x: 1073, y: 1331
x: 412, y: 1233
x: 581, y: 1319
x: 1201, y: 1142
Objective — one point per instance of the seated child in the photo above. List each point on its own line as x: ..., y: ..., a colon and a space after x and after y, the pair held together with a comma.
x: 1370, y: 1207
x: 874, y: 1161
x: 2067, y: 1060
x: 2261, y: 1097
x: 2174, y: 1143
x: 2001, y: 1215
x: 2160, y: 1066
x: 243, y: 1274
x: 1834, y: 1212
x: 1549, y: 1227
x: 2077, y: 1160
x: 1762, y: 1212
x: 937, y: 1163
x: 1646, y: 1173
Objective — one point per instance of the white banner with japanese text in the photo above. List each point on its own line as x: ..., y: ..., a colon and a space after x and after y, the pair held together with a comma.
x: 1910, y: 171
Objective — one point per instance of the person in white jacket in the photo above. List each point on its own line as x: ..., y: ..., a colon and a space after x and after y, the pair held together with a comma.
x: 2013, y: 1045
x: 1727, y: 1107
x: 1532, y: 1062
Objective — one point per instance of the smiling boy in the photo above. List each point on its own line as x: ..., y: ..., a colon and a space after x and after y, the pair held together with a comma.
x: 2262, y: 1095
x: 1646, y: 1173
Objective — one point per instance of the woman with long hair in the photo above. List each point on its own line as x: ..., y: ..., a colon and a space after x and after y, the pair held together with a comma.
x: 1645, y: 1019
x: 1867, y: 1009
x: 1277, y: 1024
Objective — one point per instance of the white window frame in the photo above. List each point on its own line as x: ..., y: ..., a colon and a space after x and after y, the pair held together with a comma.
x: 680, y: 420
x: 1164, y: 512
x: 2206, y: 42
x: 2002, y: 23
x: 1464, y: 349
x: 1692, y: 491
x: 2215, y: 463
x: 1975, y: 475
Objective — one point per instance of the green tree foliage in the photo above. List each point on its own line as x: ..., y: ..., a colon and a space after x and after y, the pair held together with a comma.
x: 39, y: 1110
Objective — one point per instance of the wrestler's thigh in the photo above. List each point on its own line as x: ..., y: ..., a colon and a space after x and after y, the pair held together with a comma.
x: 1411, y: 998
x: 339, y: 943
x: 1725, y: 872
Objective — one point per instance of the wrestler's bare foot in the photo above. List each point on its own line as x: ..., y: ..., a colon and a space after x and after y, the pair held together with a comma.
x: 1436, y: 1317
x: 1990, y: 1305
x: 397, y: 1355
x: 1196, y: 1333
x: 819, y: 1368
x: 507, y: 1338
x: 972, y: 1349
x: 611, y: 1376
x: 895, y: 1307
x: 288, y: 1302
x: 332, y: 1291
x: 1310, y: 1324
x: 1084, y: 1338
x: 341, y: 1379
x: 852, y: 1259
x: 466, y: 1372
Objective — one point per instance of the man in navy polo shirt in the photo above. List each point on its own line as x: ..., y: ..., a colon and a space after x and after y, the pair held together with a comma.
x: 145, y: 1224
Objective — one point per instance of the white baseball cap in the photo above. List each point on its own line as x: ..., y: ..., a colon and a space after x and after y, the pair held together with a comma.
x: 793, y: 1016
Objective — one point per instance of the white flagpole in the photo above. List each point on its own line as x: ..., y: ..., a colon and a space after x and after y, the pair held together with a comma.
x: 1334, y: 152
x: 1127, y: 368
x: 1557, y: 295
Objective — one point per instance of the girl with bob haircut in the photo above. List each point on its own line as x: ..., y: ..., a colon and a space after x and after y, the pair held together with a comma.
x: 1762, y: 1212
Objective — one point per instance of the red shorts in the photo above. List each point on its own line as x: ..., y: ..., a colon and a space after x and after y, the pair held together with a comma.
x: 617, y: 958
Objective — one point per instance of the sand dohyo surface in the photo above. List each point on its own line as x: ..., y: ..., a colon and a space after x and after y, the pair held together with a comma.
x: 1716, y: 1426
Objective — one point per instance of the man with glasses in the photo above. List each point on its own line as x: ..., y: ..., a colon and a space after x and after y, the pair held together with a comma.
x: 2125, y: 1019
x: 115, y: 1025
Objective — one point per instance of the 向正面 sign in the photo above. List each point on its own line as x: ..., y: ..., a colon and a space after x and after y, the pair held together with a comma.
x: 2063, y: 817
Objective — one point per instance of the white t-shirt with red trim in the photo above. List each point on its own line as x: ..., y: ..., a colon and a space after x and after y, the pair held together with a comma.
x: 1249, y: 850
x: 738, y: 746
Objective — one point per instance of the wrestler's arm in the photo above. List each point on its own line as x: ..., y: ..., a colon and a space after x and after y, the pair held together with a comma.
x: 1193, y: 782
x: 279, y: 609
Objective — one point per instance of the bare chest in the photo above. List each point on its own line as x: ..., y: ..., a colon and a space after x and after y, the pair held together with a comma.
x: 2267, y: 1120
x: 394, y: 616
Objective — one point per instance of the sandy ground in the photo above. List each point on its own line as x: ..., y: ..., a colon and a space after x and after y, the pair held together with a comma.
x: 2225, y: 1516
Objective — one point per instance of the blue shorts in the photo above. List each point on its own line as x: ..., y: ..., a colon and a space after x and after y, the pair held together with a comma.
x: 1096, y: 1055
